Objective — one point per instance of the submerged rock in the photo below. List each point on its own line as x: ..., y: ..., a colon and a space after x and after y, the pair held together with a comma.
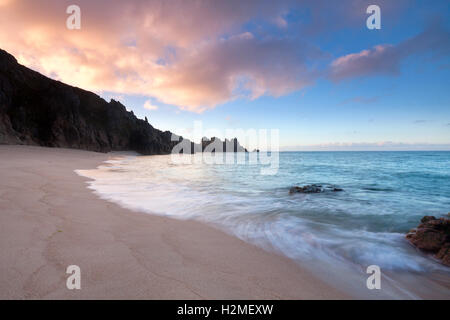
x: 433, y: 236
x: 314, y: 188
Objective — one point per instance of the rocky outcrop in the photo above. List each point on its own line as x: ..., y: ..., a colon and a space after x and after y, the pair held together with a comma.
x: 433, y: 236
x: 216, y: 145
x: 314, y: 188
x: 36, y: 110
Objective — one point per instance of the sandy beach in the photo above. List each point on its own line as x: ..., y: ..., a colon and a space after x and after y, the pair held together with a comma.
x: 50, y: 220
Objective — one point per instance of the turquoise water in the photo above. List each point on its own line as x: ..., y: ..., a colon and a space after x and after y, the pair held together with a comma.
x: 385, y: 195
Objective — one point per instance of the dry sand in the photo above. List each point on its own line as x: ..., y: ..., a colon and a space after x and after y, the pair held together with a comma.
x: 50, y: 220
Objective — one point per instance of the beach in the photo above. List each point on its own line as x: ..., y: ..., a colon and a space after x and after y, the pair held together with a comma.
x: 224, y: 150
x: 49, y: 220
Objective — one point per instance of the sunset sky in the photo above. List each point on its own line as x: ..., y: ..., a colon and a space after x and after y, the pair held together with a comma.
x: 311, y: 69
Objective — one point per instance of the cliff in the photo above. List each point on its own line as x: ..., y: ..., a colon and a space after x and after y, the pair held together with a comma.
x: 37, y: 110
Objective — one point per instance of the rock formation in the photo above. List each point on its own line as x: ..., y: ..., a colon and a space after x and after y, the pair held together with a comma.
x: 217, y: 145
x: 314, y: 188
x: 433, y: 236
x: 36, y: 110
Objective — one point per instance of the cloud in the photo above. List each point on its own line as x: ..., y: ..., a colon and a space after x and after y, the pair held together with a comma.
x: 240, y: 66
x: 379, y: 59
x: 149, y: 106
x: 386, y: 59
x: 192, y: 54
x: 5, y: 2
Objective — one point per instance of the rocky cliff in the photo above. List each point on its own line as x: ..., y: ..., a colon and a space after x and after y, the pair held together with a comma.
x: 37, y: 110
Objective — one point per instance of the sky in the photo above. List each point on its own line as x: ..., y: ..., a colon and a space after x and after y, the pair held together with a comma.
x: 310, y: 69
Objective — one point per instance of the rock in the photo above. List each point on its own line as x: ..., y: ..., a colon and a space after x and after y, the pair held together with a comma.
x: 427, y: 218
x: 306, y: 189
x: 427, y: 239
x: 36, y: 110
x: 444, y: 254
x: 313, y: 188
x: 433, y: 236
x: 217, y: 145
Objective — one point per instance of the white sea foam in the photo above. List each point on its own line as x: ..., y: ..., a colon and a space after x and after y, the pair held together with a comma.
x: 348, y: 230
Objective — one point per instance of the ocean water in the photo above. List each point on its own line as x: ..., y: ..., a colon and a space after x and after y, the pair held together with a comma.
x: 384, y: 195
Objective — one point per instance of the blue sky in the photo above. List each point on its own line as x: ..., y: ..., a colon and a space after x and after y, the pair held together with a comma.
x: 311, y: 69
x: 412, y: 107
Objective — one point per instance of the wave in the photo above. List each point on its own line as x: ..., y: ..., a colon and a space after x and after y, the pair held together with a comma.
x: 361, y: 226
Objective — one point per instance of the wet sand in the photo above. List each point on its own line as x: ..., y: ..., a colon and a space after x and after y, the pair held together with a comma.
x: 50, y: 220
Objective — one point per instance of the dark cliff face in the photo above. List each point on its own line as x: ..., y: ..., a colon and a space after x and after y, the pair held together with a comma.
x: 36, y: 110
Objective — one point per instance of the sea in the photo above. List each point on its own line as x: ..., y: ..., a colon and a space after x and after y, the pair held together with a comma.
x: 336, y: 235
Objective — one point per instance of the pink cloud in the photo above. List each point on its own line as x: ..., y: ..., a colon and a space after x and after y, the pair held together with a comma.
x: 386, y: 59
x: 192, y: 54
x: 380, y: 59
x: 173, y: 51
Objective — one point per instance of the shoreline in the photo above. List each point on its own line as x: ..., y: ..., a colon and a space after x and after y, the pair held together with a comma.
x: 51, y: 220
